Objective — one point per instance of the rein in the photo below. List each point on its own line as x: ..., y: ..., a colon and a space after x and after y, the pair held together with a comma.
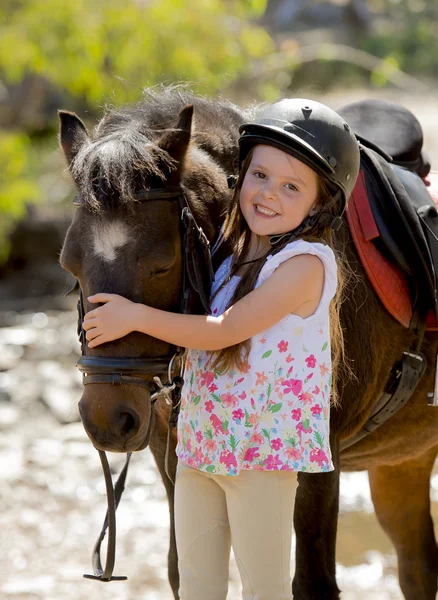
x: 196, y: 281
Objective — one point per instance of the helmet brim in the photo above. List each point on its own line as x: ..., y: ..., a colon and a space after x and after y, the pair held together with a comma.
x: 270, y: 135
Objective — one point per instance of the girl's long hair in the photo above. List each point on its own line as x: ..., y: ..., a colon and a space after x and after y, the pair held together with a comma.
x: 238, y: 234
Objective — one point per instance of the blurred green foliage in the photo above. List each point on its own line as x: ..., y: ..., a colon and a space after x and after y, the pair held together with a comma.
x: 83, y: 46
x: 17, y: 184
x: 413, y: 47
x: 106, y: 51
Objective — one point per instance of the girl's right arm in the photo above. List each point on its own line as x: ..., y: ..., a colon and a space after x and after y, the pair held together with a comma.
x: 296, y: 282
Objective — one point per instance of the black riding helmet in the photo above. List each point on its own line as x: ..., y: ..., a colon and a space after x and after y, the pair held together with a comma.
x: 316, y: 135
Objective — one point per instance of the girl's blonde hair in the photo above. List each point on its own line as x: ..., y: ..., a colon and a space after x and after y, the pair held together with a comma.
x: 238, y: 233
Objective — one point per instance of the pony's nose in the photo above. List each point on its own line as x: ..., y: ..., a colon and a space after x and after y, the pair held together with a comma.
x: 126, y: 423
x: 112, y: 430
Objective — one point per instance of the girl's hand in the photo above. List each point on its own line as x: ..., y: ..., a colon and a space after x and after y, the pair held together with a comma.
x: 109, y: 322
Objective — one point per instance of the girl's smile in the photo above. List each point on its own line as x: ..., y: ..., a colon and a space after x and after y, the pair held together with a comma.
x: 264, y: 212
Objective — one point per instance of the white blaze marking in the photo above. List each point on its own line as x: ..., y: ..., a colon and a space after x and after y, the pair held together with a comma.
x: 108, y: 237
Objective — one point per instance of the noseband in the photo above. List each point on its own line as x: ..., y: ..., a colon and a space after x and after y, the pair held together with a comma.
x: 197, y: 274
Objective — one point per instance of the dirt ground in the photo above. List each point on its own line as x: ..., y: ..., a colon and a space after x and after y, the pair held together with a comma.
x: 51, y: 487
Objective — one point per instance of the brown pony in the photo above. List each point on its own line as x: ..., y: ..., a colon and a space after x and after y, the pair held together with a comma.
x: 118, y: 245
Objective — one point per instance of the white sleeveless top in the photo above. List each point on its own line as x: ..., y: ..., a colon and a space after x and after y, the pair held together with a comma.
x: 274, y: 413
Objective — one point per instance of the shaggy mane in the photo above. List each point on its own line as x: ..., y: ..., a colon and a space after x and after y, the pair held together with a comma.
x: 122, y: 155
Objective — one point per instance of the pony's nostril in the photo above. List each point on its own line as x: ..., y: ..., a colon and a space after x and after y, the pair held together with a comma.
x: 129, y: 424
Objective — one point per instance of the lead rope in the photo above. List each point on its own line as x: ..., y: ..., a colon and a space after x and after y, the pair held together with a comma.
x: 113, y: 496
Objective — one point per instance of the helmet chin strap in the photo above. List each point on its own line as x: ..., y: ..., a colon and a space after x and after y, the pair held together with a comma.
x: 319, y: 218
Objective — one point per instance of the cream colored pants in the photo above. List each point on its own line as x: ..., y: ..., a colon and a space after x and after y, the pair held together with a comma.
x: 253, y: 512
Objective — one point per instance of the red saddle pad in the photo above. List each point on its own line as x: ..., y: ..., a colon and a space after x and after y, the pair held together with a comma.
x: 388, y: 281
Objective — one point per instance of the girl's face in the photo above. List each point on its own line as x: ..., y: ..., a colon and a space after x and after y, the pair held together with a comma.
x: 278, y: 192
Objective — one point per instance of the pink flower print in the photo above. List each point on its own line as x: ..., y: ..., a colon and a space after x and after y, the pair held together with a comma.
x: 238, y: 414
x: 209, y: 406
x: 207, y: 461
x: 289, y: 358
x: 306, y: 398
x: 189, y: 445
x: 262, y: 340
x: 212, y: 388
x: 217, y: 424
x: 256, y: 439
x: 316, y: 390
x: 253, y: 419
x: 316, y: 410
x: 323, y: 369
x: 309, y: 376
x: 296, y: 414
x: 320, y: 331
x: 242, y: 396
x: 191, y: 462
x: 240, y: 380
x: 251, y: 454
x: 292, y: 453
x: 282, y: 346
x: 199, y: 437
x: 245, y: 367
x: 210, y: 445
x: 310, y: 361
x: 292, y: 385
x: 272, y: 462
x: 187, y: 429
x: 304, y: 427
x: 207, y: 378
x: 253, y: 403
x: 228, y: 459
x: 276, y: 444
x: 228, y: 400
x: 199, y: 456
x: 318, y: 456
x: 261, y: 378
x: 188, y: 364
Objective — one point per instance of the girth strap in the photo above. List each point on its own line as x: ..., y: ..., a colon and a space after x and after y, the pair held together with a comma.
x: 404, y: 380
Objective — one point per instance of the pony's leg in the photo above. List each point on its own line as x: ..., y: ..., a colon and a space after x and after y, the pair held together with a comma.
x: 315, y: 522
x: 401, y: 500
x: 158, y: 448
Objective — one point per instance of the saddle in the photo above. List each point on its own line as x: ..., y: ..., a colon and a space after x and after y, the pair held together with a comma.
x: 393, y: 219
x: 392, y: 214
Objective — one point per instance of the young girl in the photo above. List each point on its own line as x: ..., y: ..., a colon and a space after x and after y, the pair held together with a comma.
x: 258, y: 375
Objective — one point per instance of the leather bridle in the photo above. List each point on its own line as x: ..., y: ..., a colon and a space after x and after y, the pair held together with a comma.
x: 197, y: 274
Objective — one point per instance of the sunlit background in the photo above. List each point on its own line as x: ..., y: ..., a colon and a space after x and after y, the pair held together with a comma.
x: 84, y: 56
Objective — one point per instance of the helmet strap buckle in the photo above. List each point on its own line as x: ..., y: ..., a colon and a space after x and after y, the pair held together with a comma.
x: 327, y: 220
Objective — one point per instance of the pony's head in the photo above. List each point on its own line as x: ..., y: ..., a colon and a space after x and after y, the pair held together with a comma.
x: 116, y: 244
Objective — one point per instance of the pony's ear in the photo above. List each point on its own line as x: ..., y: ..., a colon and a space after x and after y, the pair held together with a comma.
x: 72, y: 134
x: 176, y: 141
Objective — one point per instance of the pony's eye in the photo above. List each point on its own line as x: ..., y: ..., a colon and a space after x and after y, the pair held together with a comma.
x: 164, y: 270
x: 161, y: 272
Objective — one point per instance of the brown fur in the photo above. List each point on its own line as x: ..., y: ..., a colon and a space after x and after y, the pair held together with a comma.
x: 399, y: 455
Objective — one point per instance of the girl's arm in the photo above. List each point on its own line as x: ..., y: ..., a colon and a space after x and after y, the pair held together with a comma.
x: 297, y: 281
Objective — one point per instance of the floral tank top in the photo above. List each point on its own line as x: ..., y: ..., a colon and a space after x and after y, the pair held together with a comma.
x: 274, y: 413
